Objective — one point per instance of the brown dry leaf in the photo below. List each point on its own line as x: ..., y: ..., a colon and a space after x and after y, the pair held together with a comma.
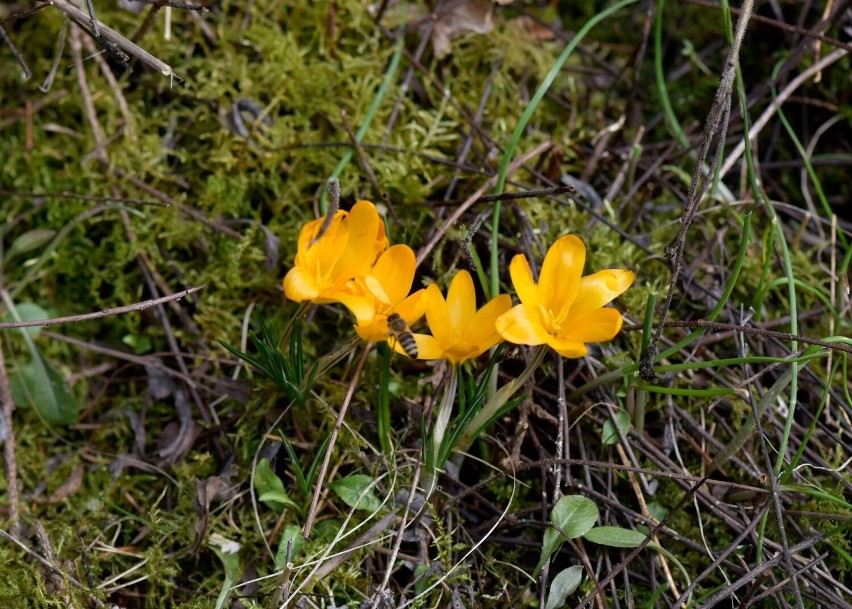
x: 531, y: 28
x: 69, y: 487
x: 178, y: 437
x: 460, y: 18
x: 214, y: 488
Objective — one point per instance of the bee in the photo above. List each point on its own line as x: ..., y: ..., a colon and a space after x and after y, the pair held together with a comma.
x: 402, y: 333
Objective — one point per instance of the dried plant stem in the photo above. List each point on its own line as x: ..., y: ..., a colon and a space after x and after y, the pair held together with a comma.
x: 91, y: 114
x: 776, y: 103
x: 95, y: 600
x: 715, y: 130
x: 399, y: 536
x: 109, y: 34
x: 9, y: 455
x: 138, y: 306
x: 756, y: 331
x: 312, y: 512
x: 4, y: 37
x: 643, y: 508
x: 129, y: 120
x: 472, y: 199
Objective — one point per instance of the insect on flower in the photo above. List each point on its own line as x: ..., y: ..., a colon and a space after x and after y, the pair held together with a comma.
x: 401, y: 332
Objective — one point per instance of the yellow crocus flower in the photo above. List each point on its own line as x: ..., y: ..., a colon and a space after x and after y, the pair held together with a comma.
x: 564, y: 310
x: 459, y: 331
x: 382, y: 292
x: 345, y: 251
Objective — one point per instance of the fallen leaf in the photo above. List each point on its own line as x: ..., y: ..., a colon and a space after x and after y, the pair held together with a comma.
x: 460, y: 18
x: 531, y: 28
x: 69, y: 487
x: 214, y: 488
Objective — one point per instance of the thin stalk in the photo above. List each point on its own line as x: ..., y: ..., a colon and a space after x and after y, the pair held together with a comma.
x: 642, y: 394
x: 522, y: 125
x: 368, y: 119
x: 383, y: 403
x: 493, y: 405
x: 439, y: 429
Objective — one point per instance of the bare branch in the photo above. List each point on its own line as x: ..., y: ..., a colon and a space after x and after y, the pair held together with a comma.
x: 109, y: 34
x: 139, y: 306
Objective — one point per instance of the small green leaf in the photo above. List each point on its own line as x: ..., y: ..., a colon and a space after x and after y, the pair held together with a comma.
x: 565, y: 583
x: 270, y: 489
x: 572, y: 516
x: 355, y: 492
x: 615, y: 537
x: 228, y: 553
x: 276, y: 497
x: 139, y: 344
x: 292, y: 535
x: 609, y: 435
x: 28, y: 311
x: 37, y: 385
x: 29, y: 241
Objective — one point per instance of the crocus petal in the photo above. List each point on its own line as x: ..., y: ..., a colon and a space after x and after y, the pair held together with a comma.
x: 300, y: 285
x: 482, y: 330
x: 394, y: 273
x: 375, y: 287
x: 523, y: 280
x: 567, y: 348
x: 411, y: 309
x: 461, y: 301
x: 599, y: 289
x: 427, y: 347
x: 358, y: 256
x: 561, y: 272
x: 310, y: 230
x: 522, y: 325
x: 324, y: 254
x: 437, y: 315
x: 371, y: 333
x: 360, y: 305
x: 462, y: 351
x: 595, y: 326
x: 380, y: 243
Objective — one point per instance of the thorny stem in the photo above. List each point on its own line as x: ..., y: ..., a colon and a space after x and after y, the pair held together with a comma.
x: 309, y: 521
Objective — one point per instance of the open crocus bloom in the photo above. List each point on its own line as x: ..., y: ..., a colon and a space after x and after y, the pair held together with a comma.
x: 382, y: 292
x: 564, y: 310
x: 459, y: 331
x: 346, y: 250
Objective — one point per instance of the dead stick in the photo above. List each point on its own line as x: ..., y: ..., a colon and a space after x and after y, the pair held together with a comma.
x: 9, y: 448
x: 399, y: 536
x: 309, y: 521
x: 98, y: 602
x: 111, y: 35
x: 138, y: 306
x: 715, y: 130
x: 472, y: 199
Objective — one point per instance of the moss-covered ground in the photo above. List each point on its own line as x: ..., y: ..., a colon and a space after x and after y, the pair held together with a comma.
x: 139, y: 451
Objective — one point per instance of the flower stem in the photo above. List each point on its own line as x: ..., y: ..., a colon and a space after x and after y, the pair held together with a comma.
x: 439, y: 429
x: 492, y: 407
